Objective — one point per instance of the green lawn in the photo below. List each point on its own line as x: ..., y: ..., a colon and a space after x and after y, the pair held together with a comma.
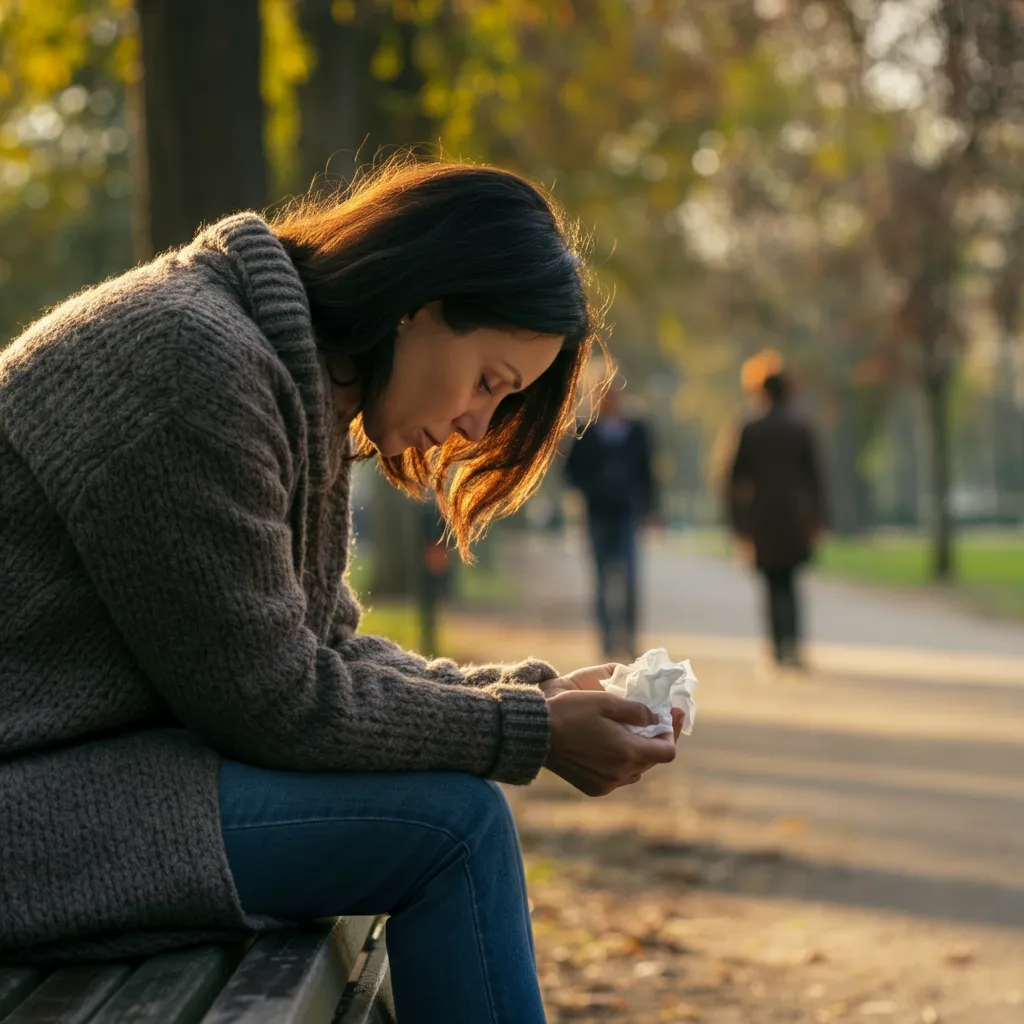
x: 398, y: 622
x: 989, y: 566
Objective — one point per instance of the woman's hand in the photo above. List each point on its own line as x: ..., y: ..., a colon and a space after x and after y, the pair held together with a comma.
x: 593, y: 679
x: 582, y: 679
x: 590, y: 749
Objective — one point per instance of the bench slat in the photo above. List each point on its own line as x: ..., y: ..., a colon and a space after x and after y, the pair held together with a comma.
x: 288, y: 977
x: 15, y: 985
x: 70, y: 996
x: 174, y: 988
x: 358, y: 1003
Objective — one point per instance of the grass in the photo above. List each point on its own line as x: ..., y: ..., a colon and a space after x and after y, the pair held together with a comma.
x: 989, y: 566
x: 396, y: 621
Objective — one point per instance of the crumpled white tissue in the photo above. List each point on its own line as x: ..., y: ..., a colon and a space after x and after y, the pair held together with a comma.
x: 653, y: 679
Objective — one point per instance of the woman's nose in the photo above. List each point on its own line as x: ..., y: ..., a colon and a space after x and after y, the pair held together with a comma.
x: 473, y: 425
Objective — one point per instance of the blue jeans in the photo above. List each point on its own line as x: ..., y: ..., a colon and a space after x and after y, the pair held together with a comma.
x: 438, y: 851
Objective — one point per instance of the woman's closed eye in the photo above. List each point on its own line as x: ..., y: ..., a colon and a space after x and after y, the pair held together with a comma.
x: 484, y: 386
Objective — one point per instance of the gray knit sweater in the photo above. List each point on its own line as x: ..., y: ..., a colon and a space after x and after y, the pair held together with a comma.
x: 174, y: 530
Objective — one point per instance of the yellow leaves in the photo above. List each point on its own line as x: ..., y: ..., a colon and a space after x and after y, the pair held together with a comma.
x: 509, y: 87
x: 573, y: 95
x: 830, y: 160
x: 387, y: 61
x: 44, y: 45
x: 127, y: 57
x: 671, y: 336
x: 287, y: 62
x: 343, y: 11
x: 435, y: 100
x: 47, y: 70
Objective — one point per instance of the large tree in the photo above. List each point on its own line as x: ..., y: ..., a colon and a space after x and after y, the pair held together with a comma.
x: 202, y: 149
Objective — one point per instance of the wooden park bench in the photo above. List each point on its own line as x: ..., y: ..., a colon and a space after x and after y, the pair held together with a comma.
x: 334, y: 972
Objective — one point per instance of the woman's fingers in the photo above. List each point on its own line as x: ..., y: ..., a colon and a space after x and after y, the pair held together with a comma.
x: 656, y: 750
x: 678, y: 719
x: 589, y: 747
x: 591, y: 678
x: 629, y: 712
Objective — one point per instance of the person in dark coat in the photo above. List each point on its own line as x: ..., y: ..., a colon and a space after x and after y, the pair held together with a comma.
x: 611, y: 465
x: 776, y: 503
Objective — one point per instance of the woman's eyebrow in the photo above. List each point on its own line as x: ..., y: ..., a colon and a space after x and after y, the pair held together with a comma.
x: 517, y: 382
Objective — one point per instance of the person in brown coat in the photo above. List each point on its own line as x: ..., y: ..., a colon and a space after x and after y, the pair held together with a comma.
x: 776, y: 504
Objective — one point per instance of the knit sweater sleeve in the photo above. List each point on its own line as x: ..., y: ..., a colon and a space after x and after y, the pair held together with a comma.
x: 530, y: 672
x: 185, y: 533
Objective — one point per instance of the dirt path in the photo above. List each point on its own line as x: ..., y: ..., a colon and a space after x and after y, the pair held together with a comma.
x: 845, y: 846
x: 685, y: 593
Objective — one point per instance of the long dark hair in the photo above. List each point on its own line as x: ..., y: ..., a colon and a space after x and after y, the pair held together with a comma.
x: 495, y: 251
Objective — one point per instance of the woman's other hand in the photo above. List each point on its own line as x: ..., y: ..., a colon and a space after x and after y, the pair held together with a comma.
x: 593, y: 678
x: 590, y: 749
x: 582, y: 679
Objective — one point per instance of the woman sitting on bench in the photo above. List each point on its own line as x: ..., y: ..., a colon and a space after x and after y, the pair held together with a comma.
x: 195, y: 741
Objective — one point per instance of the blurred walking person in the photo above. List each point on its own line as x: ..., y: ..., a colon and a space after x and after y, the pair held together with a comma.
x: 611, y: 465
x: 776, y: 506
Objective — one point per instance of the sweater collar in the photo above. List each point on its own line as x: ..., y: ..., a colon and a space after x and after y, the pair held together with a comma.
x: 273, y: 295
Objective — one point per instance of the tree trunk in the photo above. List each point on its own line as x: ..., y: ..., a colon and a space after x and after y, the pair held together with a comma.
x: 936, y: 390
x: 346, y: 117
x: 202, y: 114
x: 336, y: 101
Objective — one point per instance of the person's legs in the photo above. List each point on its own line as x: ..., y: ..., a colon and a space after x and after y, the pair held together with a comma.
x: 601, y: 551
x: 630, y: 558
x: 438, y: 851
x: 774, y: 600
x: 783, y: 614
x: 791, y: 618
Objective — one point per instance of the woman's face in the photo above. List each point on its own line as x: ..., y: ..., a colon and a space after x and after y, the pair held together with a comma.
x: 445, y: 382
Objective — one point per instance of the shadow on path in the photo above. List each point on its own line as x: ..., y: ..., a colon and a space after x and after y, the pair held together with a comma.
x: 773, y: 873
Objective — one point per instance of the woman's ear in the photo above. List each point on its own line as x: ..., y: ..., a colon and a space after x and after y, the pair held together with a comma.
x: 428, y: 312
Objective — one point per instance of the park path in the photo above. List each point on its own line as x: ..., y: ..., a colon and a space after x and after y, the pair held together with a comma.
x: 887, y: 785
x: 686, y: 593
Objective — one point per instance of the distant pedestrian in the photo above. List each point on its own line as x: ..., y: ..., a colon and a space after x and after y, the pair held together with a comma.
x: 776, y: 503
x: 612, y: 466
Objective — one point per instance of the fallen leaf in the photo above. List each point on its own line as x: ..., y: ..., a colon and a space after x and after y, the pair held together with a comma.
x: 689, y: 872
x: 764, y: 855
x: 573, y: 1002
x: 878, y: 1008
x: 958, y: 956
x: 829, y: 1013
x: 721, y: 974
x: 608, y: 946
x: 680, y: 1013
x: 648, y: 968
x: 674, y: 938
x: 791, y: 826
x: 720, y: 871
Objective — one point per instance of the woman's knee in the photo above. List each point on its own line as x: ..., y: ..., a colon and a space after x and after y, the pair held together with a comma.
x: 476, y: 808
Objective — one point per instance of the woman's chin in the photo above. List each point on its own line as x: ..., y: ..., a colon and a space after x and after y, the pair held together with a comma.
x: 392, y: 447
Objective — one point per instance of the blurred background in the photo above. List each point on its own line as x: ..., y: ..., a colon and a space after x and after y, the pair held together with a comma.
x: 840, y: 182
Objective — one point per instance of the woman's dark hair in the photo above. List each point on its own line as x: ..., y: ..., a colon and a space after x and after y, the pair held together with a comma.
x: 776, y: 387
x: 495, y: 251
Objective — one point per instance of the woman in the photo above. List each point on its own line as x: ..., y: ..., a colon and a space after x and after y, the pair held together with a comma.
x: 194, y: 740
